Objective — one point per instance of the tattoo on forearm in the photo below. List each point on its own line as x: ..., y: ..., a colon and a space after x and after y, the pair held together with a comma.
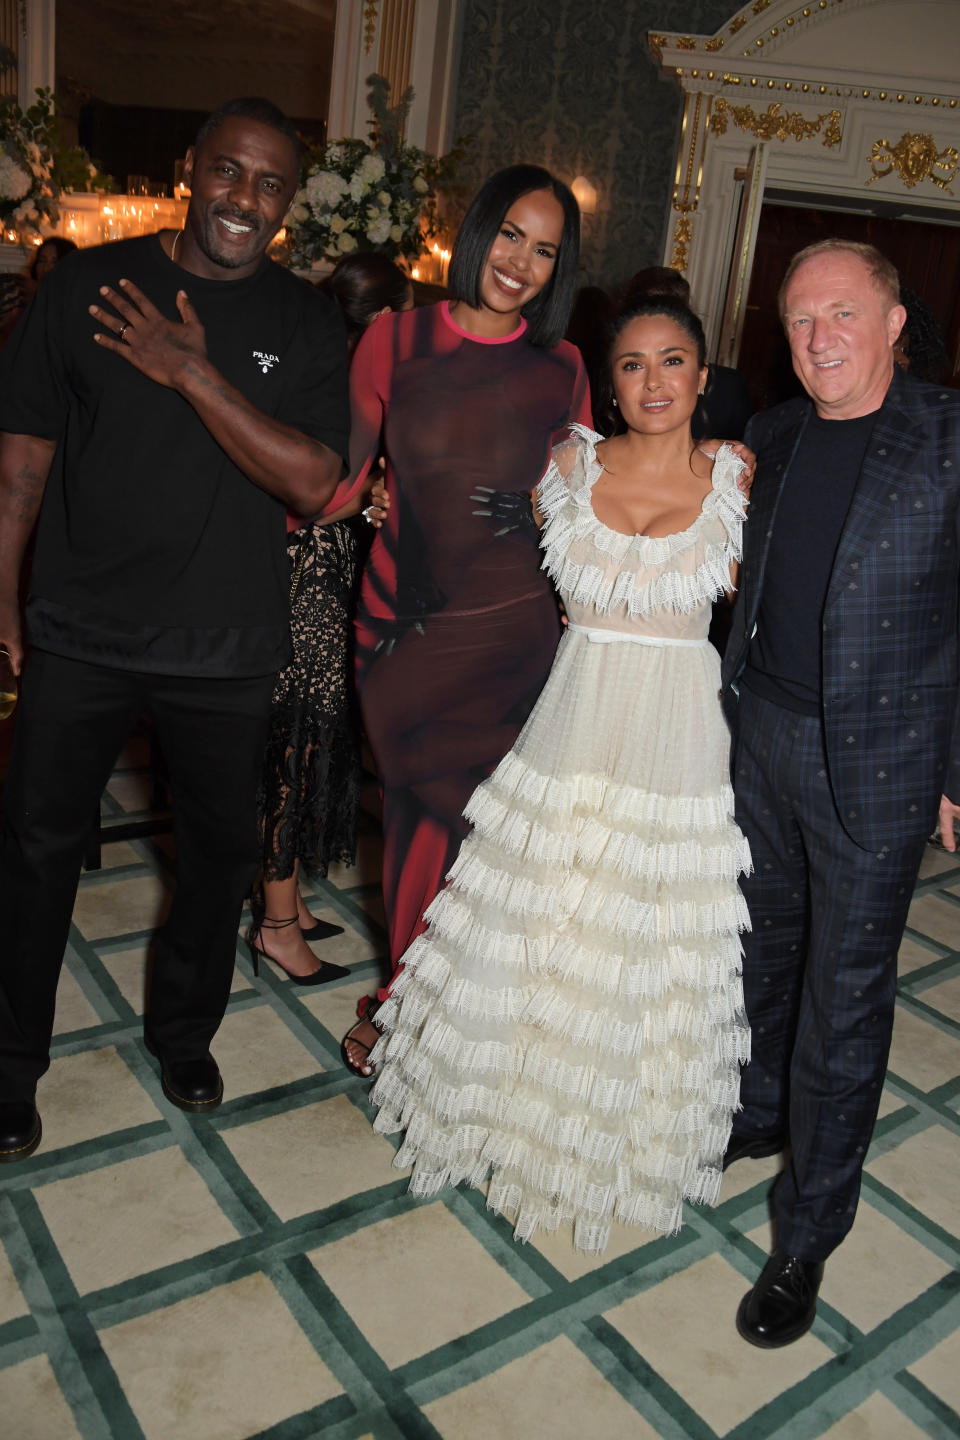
x: 25, y: 489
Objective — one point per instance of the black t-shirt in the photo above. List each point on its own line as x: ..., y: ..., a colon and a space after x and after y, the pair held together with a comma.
x: 785, y: 663
x: 154, y: 551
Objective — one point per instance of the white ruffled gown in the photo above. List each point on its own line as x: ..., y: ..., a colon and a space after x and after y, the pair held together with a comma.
x: 571, y: 1022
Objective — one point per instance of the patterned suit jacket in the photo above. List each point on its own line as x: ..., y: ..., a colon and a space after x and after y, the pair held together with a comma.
x: 890, y: 620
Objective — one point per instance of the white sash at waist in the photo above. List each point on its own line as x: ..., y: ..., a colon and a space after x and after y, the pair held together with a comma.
x: 616, y: 637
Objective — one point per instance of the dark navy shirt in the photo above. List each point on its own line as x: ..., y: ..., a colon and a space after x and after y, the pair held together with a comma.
x: 785, y: 660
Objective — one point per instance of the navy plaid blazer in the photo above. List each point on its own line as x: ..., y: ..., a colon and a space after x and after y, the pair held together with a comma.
x: 890, y: 619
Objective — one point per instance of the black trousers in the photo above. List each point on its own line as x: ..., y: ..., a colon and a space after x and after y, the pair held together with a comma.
x: 74, y: 719
x: 820, y: 972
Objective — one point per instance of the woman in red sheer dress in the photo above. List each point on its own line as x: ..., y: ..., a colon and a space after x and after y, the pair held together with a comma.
x: 457, y: 624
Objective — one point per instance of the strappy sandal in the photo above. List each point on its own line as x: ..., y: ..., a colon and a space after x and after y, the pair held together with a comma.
x: 356, y: 1067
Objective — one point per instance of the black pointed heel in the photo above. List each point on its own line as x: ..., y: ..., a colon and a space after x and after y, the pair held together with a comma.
x: 321, y: 976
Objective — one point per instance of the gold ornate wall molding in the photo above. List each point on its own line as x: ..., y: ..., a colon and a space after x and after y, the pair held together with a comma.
x: 915, y: 158
x: 813, y: 83
x: 689, y: 176
x: 775, y: 123
x: 369, y: 25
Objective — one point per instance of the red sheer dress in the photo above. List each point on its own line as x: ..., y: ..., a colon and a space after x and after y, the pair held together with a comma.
x: 457, y: 624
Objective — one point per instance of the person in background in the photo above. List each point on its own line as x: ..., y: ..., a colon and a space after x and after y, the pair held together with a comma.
x: 366, y: 286
x: 920, y: 346
x: 840, y: 681
x: 724, y: 408
x: 47, y: 255
x: 17, y: 290
x: 309, y: 791
x: 167, y: 399
x: 457, y: 623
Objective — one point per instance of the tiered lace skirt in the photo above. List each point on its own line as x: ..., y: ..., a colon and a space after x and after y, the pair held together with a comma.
x: 570, y: 1026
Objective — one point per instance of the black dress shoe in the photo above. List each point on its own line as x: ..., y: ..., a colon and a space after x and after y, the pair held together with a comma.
x: 190, y: 1084
x: 20, y: 1129
x: 751, y: 1147
x: 782, y: 1305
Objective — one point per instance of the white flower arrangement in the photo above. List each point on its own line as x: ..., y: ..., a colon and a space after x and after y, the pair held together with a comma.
x: 376, y: 194
x: 35, y: 165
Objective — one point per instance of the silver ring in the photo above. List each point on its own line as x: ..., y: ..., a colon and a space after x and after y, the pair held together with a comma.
x: 368, y: 515
x: 124, y: 326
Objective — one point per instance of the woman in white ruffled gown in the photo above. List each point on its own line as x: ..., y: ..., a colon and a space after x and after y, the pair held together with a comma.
x: 570, y: 1026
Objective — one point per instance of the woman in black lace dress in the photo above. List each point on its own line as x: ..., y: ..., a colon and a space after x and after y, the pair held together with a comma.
x: 309, y: 789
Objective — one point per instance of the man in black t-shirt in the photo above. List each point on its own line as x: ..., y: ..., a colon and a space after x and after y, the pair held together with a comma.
x: 840, y: 680
x: 167, y: 400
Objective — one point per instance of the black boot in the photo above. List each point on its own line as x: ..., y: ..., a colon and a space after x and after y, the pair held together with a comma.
x: 20, y: 1129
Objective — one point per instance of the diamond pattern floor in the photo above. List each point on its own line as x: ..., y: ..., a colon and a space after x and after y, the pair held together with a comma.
x: 262, y: 1272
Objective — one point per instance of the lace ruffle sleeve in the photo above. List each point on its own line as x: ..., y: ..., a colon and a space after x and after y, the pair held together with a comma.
x: 595, y: 566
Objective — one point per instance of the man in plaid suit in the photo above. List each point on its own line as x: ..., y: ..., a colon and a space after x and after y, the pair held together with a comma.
x: 840, y: 682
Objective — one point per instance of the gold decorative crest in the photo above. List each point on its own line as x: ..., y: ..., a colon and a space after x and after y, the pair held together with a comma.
x: 759, y: 6
x: 915, y: 158
x: 715, y: 44
x: 737, y: 24
x: 686, y: 42
x: 775, y: 123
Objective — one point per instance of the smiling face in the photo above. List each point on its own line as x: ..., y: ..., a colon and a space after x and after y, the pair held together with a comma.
x: 522, y: 257
x: 656, y: 374
x: 841, y: 327
x: 242, y: 179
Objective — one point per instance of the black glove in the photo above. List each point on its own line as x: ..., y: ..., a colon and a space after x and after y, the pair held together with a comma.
x: 509, y: 511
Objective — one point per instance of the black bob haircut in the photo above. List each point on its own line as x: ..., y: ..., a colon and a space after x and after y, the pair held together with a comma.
x: 608, y: 419
x: 251, y: 107
x: 547, y: 314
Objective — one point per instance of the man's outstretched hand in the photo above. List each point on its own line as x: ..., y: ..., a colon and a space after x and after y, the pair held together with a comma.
x: 162, y: 349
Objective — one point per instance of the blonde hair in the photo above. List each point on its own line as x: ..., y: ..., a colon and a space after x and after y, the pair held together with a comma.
x: 882, y: 272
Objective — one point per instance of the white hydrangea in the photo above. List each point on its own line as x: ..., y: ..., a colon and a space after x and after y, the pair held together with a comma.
x: 379, y: 231
x: 357, y: 186
x: 325, y: 189
x: 420, y: 185
x: 15, y: 182
x: 345, y: 244
x: 372, y: 168
x: 299, y: 213
x: 337, y: 224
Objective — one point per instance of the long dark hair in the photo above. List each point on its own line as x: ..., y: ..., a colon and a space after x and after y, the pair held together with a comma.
x: 547, y: 314
x: 607, y: 417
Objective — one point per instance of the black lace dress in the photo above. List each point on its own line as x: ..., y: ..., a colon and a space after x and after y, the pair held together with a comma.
x: 310, y: 784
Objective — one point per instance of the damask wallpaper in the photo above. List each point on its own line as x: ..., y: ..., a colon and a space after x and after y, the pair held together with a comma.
x: 571, y: 84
